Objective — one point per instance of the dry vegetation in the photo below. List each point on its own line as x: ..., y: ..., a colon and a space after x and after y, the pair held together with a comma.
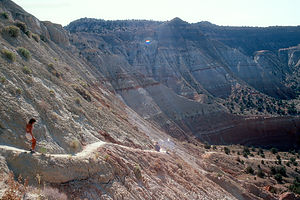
x: 262, y: 167
x: 19, y: 190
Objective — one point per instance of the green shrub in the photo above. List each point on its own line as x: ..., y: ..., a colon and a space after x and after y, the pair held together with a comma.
x: 278, y: 157
x: 295, y: 187
x: 22, y: 26
x: 292, y: 159
x: 77, y: 101
x: 75, y: 145
x: 246, y: 150
x: 239, y: 160
x: 26, y: 70
x: 278, y: 170
x: 43, y: 38
x: 24, y: 52
x: 4, y: 15
x: 274, y: 150
x: 278, y: 178
x: 28, y: 33
x: 206, y: 145
x: 249, y: 170
x: 260, y: 151
x: 9, y: 55
x: 260, y: 173
x: 226, y: 150
x: 35, y: 37
x: 262, y: 162
x: 43, y: 150
x: 137, y: 172
x: 2, y: 79
x: 52, y: 93
x: 13, y: 31
x: 18, y: 91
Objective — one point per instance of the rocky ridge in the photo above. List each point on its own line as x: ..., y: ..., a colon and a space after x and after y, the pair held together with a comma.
x: 184, y: 78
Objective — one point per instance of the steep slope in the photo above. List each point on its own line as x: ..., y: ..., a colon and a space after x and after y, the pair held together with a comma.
x: 172, y: 73
x: 51, y: 84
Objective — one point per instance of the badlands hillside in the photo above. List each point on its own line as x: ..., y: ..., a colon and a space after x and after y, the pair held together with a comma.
x: 104, y: 92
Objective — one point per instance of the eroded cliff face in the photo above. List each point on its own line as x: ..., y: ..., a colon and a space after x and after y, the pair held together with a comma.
x: 175, y: 74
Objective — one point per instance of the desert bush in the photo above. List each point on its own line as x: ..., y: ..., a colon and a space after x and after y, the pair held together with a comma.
x: 53, y: 71
x: 77, y: 101
x: 295, y: 187
x: 278, y: 178
x: 12, y: 31
x: 226, y: 150
x: 50, y: 193
x: 43, y: 38
x: 274, y: 150
x: 26, y: 70
x: 137, y: 172
x: 260, y: 173
x: 278, y: 157
x: 206, y: 145
x: 28, y: 33
x: 260, y: 151
x: 22, y: 26
x: 249, y: 170
x: 239, y: 160
x: 246, y: 150
x: 4, y: 15
x: 75, y: 145
x: 106, y: 157
x: 52, y: 93
x: 35, y: 37
x: 16, y: 189
x: 43, y: 150
x: 292, y: 159
x: 2, y: 79
x: 262, y: 162
x: 29, y: 80
x: 24, y: 52
x: 18, y: 91
x: 278, y: 170
x: 9, y: 55
x: 84, y: 93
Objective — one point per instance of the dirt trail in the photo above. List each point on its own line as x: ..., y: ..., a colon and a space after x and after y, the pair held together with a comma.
x: 86, y: 152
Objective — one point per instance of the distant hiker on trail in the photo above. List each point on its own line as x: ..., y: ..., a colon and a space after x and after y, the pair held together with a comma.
x: 29, y: 134
x: 156, y: 146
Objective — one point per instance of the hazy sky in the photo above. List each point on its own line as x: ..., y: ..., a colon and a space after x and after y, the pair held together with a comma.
x: 220, y: 12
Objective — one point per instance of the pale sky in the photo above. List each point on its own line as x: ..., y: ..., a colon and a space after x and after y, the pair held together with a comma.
x: 220, y: 12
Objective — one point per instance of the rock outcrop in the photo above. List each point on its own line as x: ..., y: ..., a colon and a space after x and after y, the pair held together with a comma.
x: 177, y: 78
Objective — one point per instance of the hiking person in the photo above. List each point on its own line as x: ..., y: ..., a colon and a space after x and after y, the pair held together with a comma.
x: 156, y: 146
x: 29, y: 134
